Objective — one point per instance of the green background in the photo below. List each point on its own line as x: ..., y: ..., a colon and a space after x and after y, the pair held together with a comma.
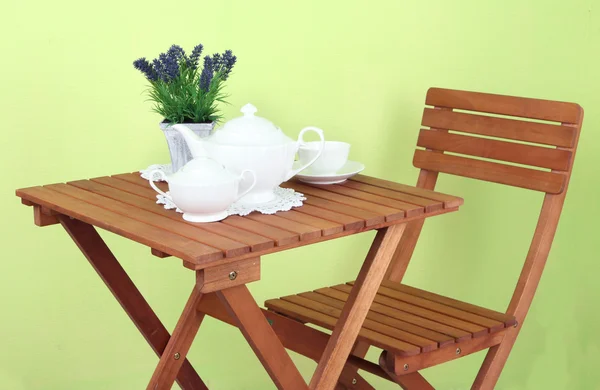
x: 72, y: 107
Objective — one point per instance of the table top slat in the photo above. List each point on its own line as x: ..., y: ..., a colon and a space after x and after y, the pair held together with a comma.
x: 390, y: 214
x: 126, y: 186
x: 410, y: 209
x: 348, y: 222
x: 429, y: 204
x: 229, y: 247
x: 135, y: 178
x: 327, y: 227
x: 449, y: 200
x: 282, y: 237
x: 255, y: 241
x: 306, y: 232
x: 370, y: 218
x: 163, y: 240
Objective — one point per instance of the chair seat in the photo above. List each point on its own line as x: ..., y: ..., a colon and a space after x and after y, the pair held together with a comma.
x: 402, y: 319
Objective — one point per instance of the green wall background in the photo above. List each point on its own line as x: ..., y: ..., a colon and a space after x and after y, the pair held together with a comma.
x: 72, y: 108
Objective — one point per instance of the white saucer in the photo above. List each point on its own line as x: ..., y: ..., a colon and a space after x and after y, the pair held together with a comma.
x: 350, y: 169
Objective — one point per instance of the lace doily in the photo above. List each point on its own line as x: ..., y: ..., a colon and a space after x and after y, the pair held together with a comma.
x: 285, y: 198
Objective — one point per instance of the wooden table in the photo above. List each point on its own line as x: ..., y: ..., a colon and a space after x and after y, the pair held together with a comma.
x: 226, y: 256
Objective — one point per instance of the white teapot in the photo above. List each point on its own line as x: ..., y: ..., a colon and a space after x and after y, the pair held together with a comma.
x: 252, y: 142
x: 203, y: 189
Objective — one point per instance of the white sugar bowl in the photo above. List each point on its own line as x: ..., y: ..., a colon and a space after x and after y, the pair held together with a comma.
x: 203, y: 189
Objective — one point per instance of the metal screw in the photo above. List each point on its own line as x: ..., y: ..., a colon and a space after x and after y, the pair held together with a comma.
x: 177, y: 356
x: 354, y: 381
x: 232, y: 275
x: 458, y: 351
x: 516, y: 324
x: 406, y: 367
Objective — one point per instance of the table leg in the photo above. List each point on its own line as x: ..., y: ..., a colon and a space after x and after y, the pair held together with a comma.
x: 179, y: 344
x: 355, y: 310
x: 116, y: 279
x: 261, y: 337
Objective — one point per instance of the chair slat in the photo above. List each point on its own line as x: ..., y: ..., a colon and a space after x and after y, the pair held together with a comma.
x: 439, y: 338
x: 377, y: 307
x: 328, y: 322
x: 476, y: 330
x: 551, y: 158
x: 505, y: 318
x: 541, y: 133
x: 504, y: 105
x: 492, y: 324
x: 489, y: 171
x: 400, y: 335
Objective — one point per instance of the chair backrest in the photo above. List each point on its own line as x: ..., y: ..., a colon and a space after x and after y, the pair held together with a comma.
x: 522, y: 142
x: 549, y: 145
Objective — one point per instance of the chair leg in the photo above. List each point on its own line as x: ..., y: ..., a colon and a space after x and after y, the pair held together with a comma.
x: 349, y: 379
x: 179, y: 344
x: 355, y: 309
x: 494, y: 362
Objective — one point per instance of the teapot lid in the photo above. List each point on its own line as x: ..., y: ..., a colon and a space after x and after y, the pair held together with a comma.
x: 250, y: 129
x: 203, y: 171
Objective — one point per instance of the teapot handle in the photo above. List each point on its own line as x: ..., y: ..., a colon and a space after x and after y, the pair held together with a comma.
x: 163, y: 176
x: 251, y: 187
x: 319, y: 132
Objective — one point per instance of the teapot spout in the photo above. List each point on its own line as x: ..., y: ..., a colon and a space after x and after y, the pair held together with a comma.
x: 193, y: 142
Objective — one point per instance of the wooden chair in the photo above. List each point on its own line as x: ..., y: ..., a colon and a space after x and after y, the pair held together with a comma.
x: 418, y: 329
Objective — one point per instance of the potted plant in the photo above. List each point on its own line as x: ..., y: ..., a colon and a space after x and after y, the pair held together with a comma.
x: 184, y: 92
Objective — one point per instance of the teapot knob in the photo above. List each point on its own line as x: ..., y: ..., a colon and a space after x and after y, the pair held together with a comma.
x: 248, y: 110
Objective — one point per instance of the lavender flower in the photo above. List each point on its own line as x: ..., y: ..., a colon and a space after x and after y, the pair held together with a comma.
x: 176, y: 52
x: 216, y: 60
x: 158, y: 68
x: 207, y: 74
x: 223, y: 63
x: 196, y: 53
x: 228, y: 62
x: 146, y: 68
x: 170, y: 67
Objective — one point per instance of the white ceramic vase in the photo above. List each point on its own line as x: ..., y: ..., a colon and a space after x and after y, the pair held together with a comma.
x: 178, y: 149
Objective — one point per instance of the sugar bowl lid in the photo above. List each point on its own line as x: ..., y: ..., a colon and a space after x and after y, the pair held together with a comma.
x: 202, y: 171
x: 250, y: 130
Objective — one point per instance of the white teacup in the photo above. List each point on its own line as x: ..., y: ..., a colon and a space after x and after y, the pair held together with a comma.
x: 333, y: 157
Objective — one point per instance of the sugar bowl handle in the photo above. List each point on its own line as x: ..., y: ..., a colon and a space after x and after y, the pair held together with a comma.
x: 162, y: 176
